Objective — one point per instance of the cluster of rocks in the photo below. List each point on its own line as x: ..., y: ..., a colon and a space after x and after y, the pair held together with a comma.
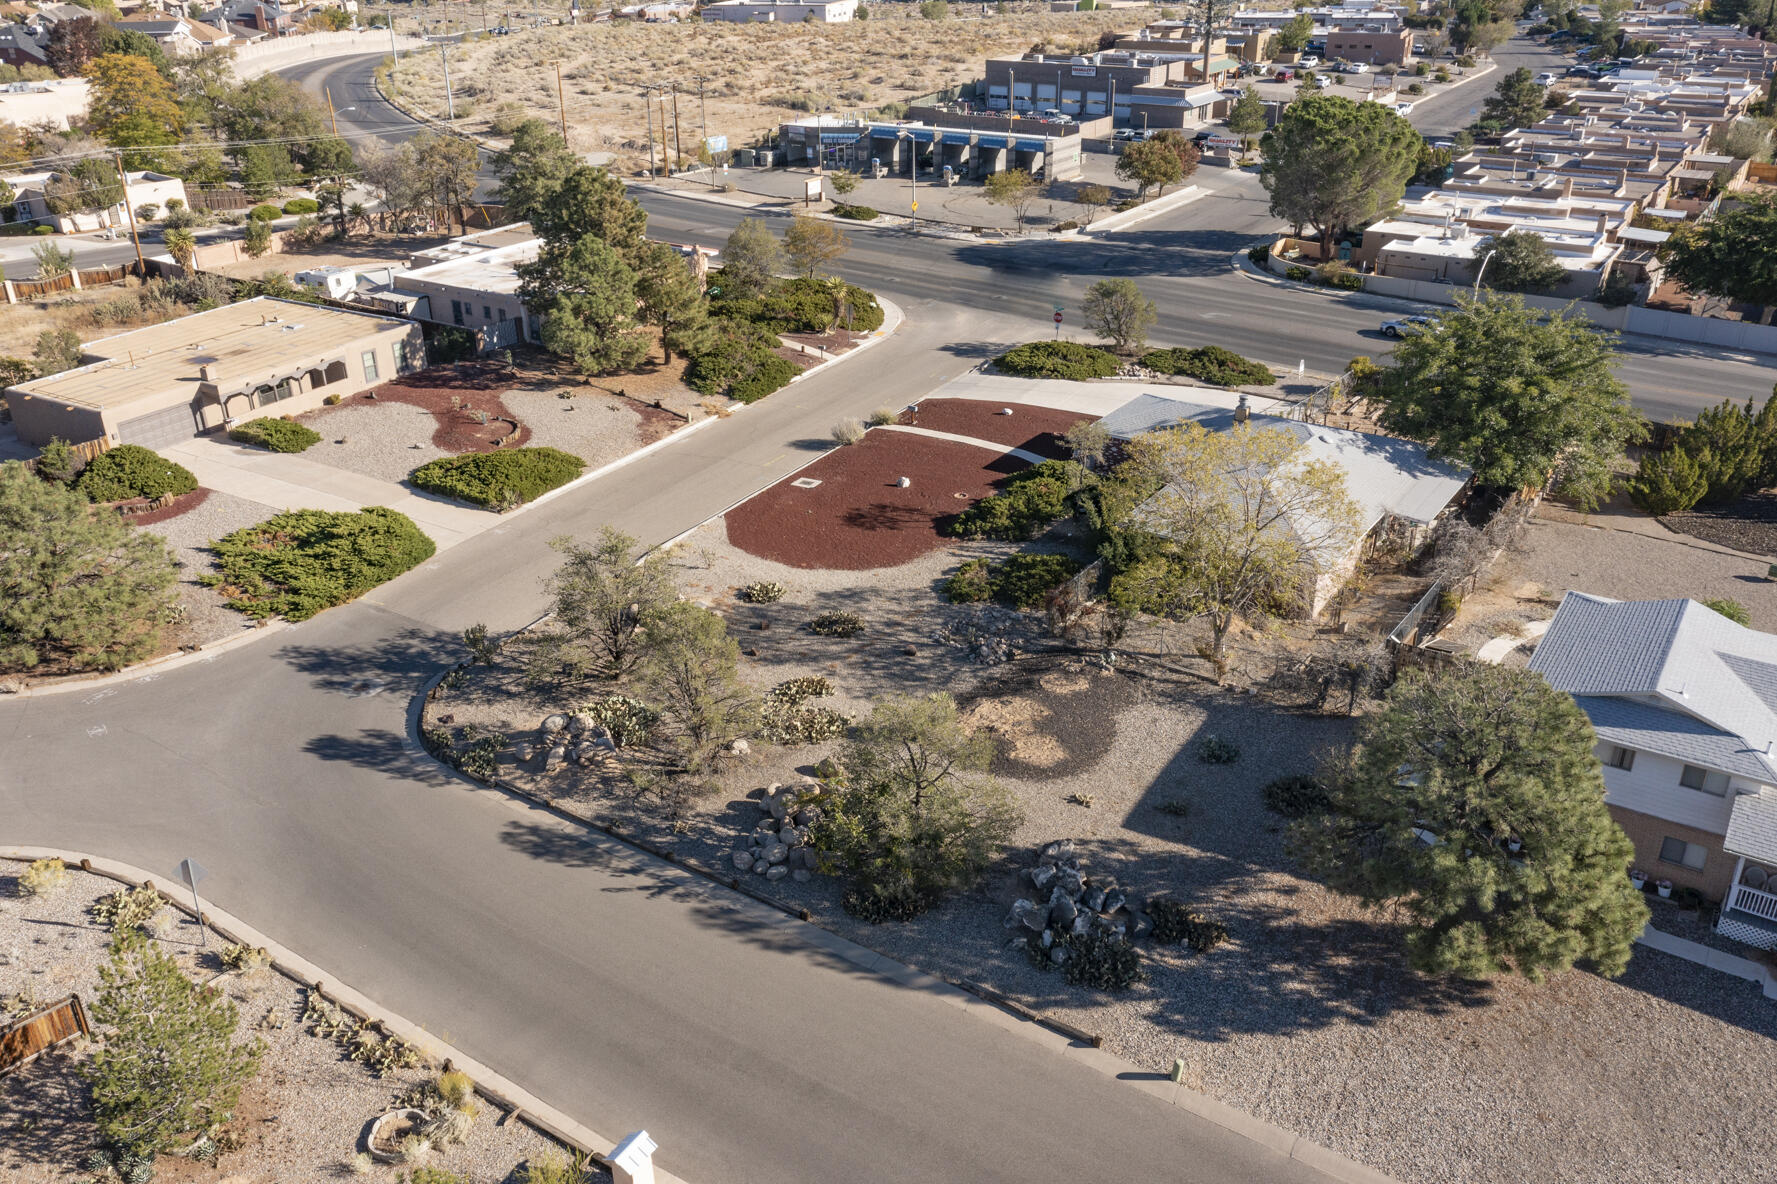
x: 778, y: 846
x: 1069, y: 903
x: 564, y: 738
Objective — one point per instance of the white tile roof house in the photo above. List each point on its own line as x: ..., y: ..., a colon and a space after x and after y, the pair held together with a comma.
x: 1684, y: 702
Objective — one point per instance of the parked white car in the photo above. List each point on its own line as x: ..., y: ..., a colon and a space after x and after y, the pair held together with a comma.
x: 1307, y: 63
x: 1323, y: 80
x: 1356, y: 67
x: 1546, y: 78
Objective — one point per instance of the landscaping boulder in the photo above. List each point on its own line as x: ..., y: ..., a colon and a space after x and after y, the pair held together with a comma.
x: 743, y: 861
x: 553, y: 724
x: 776, y: 873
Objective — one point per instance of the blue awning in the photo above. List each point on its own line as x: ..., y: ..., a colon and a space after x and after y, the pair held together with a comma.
x: 920, y: 135
x: 1032, y: 145
x: 841, y: 137
x: 994, y: 141
x: 956, y: 137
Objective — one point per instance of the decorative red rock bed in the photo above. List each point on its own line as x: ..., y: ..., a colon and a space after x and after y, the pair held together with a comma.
x: 1034, y: 429
x: 858, y: 518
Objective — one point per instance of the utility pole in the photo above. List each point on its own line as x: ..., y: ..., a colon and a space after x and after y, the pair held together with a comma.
x: 450, y: 103
x: 561, y: 97
x: 678, y: 147
x: 331, y: 114
x: 648, y: 108
x: 141, y: 267
x: 703, y: 124
x: 394, y: 50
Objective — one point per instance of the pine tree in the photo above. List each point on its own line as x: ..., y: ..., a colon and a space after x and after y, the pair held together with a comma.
x: 532, y: 170
x: 672, y: 299
x: 587, y: 295
x: 77, y: 586
x: 1475, y: 806
x: 751, y: 259
x: 169, y: 1064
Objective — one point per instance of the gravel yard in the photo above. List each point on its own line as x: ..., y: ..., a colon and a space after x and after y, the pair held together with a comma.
x: 206, y: 617
x: 382, y: 439
x: 1034, y: 429
x: 1308, y: 1016
x: 301, y: 1119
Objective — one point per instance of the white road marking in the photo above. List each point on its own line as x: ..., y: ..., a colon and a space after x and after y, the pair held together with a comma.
x: 96, y: 731
x: 105, y: 694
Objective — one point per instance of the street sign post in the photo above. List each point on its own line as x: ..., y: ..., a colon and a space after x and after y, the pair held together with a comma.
x: 1058, y: 324
x: 191, y: 872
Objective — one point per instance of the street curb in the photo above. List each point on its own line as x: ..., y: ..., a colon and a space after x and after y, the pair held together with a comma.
x: 1141, y: 213
x: 1056, y: 1034
x: 502, y: 1092
x: 143, y: 671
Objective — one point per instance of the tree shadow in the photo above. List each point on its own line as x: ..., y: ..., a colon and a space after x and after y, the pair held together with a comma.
x: 1719, y: 996
x: 883, y: 516
x: 46, y: 1110
x: 396, y: 662
x: 381, y: 750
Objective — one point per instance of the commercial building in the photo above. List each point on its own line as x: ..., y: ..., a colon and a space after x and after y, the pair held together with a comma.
x: 1375, y: 46
x: 59, y: 102
x: 969, y: 146
x: 31, y: 202
x: 826, y: 12
x: 169, y: 382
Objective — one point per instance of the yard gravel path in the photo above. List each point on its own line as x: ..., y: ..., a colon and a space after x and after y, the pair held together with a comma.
x: 595, y: 427
x: 385, y: 439
x: 303, y: 1116
x: 207, y: 618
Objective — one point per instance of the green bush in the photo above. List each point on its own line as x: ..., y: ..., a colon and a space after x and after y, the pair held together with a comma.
x: 1176, y: 923
x: 630, y: 721
x: 300, y: 562
x: 301, y: 205
x: 1349, y: 281
x: 876, y: 903
x: 1259, y: 254
x: 1298, y: 273
x: 1058, y: 359
x: 1668, y: 482
x: 500, y: 480
x: 264, y: 213
x: 1213, y: 750
x: 1026, y: 504
x: 1297, y: 796
x: 837, y: 624
x: 1210, y: 363
x: 277, y: 435
x: 1733, y: 610
x: 772, y: 374
x: 1025, y: 581
x: 762, y: 592
x: 130, y: 470
x: 740, y: 354
x: 855, y: 213
x: 1096, y: 959
x: 801, y: 305
x: 972, y: 583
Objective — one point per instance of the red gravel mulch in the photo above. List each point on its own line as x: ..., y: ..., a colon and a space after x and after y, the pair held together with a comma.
x: 1034, y: 429
x: 858, y: 518
x: 476, y: 386
x: 797, y: 358
x: 182, y: 503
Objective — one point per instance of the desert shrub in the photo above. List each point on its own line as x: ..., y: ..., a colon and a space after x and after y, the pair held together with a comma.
x: 1298, y: 274
x: 847, y: 431
x: 1260, y: 254
x: 1028, y: 501
x: 1176, y: 923
x: 1058, y: 359
x: 1025, y: 581
x: 1296, y: 796
x: 630, y: 721
x: 551, y: 1168
x: 264, y: 213
x: 427, y: 1174
x: 971, y: 583
x: 1213, y: 750
x: 43, y: 877
x: 802, y: 305
x: 130, y: 470
x: 300, y: 562
x: 837, y: 624
x: 128, y: 908
x: 762, y: 592
x: 301, y: 205
x: 499, y: 480
x: 1349, y: 281
x: 876, y: 904
x: 785, y: 717
x: 1210, y: 363
x: 456, y: 1088
x: 481, y: 759
x: 276, y: 435
x: 333, y: 400
x: 1733, y: 610
x: 1096, y: 959
x: 773, y: 374
x: 855, y: 213
x: 884, y: 416
x: 738, y: 359
x: 243, y: 959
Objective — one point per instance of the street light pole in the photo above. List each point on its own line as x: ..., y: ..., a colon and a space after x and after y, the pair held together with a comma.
x: 1482, y: 270
x: 561, y: 98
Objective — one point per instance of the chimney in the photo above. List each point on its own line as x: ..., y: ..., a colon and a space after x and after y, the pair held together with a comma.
x: 1603, y: 223
x: 204, y: 372
x: 1567, y: 188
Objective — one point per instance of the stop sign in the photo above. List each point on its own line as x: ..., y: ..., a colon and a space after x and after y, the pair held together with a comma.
x: 1058, y: 316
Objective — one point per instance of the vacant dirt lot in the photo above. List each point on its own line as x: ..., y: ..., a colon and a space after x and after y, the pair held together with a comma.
x: 764, y: 73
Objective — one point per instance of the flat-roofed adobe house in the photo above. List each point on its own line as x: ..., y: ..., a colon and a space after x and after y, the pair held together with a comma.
x: 169, y: 382
x: 1684, y: 702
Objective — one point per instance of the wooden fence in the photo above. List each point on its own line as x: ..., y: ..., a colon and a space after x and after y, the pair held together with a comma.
x: 24, y: 1040
x: 73, y: 281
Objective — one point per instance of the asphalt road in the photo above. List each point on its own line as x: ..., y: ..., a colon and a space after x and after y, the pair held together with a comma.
x: 1452, y: 110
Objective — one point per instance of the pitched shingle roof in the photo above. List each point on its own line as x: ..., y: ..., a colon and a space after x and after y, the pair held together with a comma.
x: 1676, y: 658
x: 1752, y: 828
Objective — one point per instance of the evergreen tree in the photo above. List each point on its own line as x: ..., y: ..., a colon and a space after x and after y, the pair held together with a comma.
x: 169, y: 1064
x: 751, y: 259
x: 592, y: 202
x: 1247, y: 118
x: 603, y: 602
x: 1454, y: 771
x: 1517, y: 396
x: 1516, y: 102
x: 77, y: 587
x: 1331, y: 163
x: 1733, y: 255
x: 532, y: 170
x: 1521, y: 261
x: 672, y: 300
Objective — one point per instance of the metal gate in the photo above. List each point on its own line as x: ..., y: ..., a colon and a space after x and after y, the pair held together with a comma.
x: 159, y: 428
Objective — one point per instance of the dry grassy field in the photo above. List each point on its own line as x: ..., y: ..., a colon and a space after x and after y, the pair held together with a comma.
x: 758, y: 75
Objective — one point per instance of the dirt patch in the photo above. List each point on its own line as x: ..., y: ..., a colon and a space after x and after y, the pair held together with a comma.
x: 1053, y: 718
x: 463, y: 400
x: 1749, y: 524
x: 1034, y: 429
x: 178, y: 506
x: 835, y: 341
x: 858, y: 517
x: 801, y: 359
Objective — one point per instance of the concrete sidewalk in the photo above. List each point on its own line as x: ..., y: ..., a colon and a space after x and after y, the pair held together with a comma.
x: 289, y: 482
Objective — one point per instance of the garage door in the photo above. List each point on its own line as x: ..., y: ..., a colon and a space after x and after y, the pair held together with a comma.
x: 159, y: 428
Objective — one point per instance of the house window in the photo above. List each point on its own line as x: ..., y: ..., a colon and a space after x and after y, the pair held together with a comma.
x: 1615, y: 756
x: 487, y: 314
x: 1682, y: 853
x: 456, y: 311
x: 1704, y: 780
x: 369, y: 360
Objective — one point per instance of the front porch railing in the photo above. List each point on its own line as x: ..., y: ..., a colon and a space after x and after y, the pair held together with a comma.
x: 1752, y: 900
